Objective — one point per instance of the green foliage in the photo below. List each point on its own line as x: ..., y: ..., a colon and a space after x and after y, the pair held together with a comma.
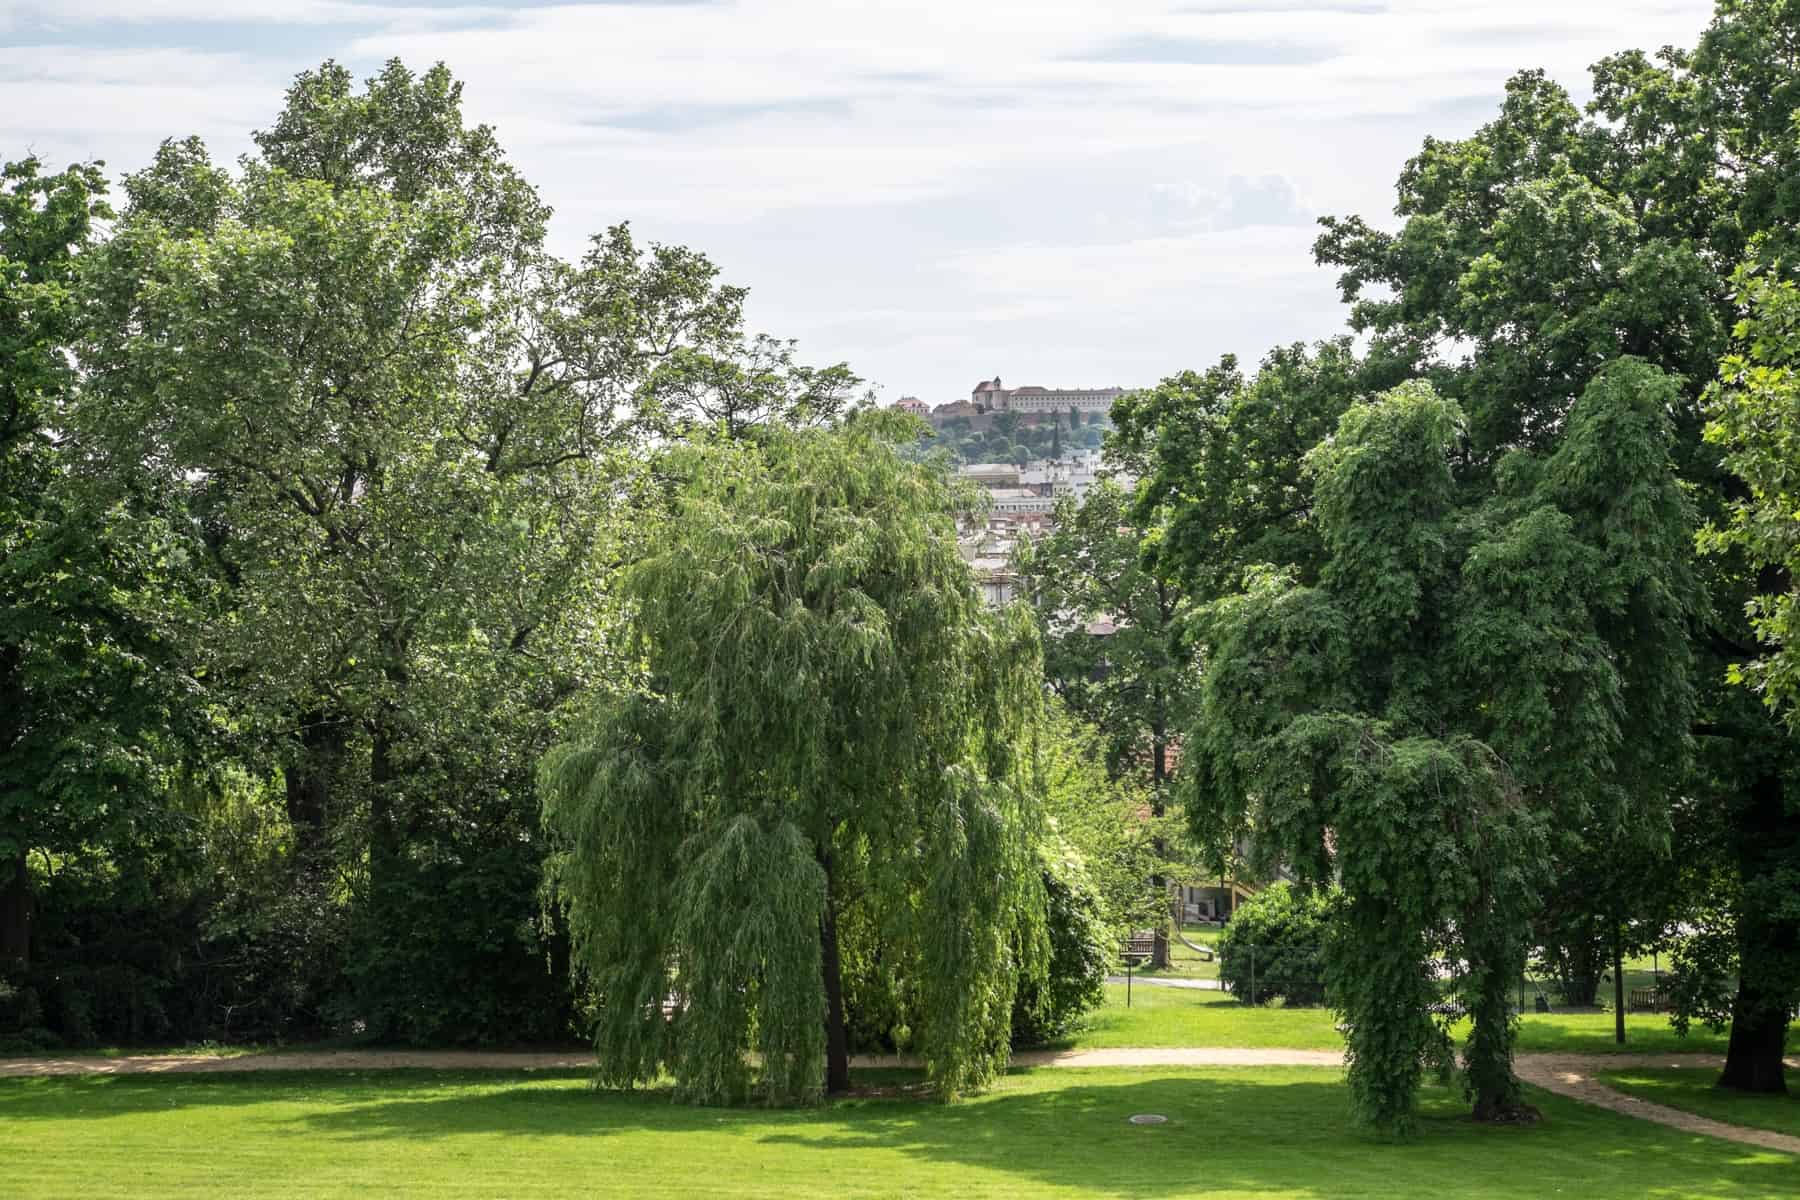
x: 1105, y: 819
x: 1409, y: 727
x: 1273, y: 947
x: 1220, y: 460
x: 96, y: 703
x: 405, y: 443
x: 1131, y: 684
x: 1083, y: 948
x: 831, y: 740
x: 1754, y: 408
x: 1533, y: 257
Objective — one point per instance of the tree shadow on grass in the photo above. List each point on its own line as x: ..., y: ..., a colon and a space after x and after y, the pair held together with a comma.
x: 1246, y: 1131
x: 1254, y: 1131
x: 90, y: 1097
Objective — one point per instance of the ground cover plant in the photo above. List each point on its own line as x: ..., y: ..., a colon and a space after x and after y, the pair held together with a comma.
x: 1698, y: 1092
x: 1277, y: 1132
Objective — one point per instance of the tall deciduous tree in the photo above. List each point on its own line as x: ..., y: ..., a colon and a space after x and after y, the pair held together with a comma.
x: 92, y: 690
x: 1131, y: 682
x: 827, y: 715
x: 1755, y: 416
x: 405, y: 430
x: 1538, y: 252
x: 1455, y: 682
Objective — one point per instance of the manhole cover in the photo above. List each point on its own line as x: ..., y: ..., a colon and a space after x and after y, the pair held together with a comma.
x: 1149, y: 1119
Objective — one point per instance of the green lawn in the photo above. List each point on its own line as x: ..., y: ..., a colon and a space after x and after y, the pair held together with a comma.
x: 1161, y: 1016
x: 1692, y: 1090
x: 1245, y: 1132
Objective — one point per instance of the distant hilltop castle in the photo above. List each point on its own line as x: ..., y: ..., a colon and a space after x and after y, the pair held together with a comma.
x: 991, y: 396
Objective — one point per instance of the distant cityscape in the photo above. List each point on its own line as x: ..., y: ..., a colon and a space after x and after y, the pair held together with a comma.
x: 1028, y: 447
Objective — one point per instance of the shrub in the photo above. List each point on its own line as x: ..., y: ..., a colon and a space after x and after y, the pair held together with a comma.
x: 1273, y: 947
x: 1081, y: 948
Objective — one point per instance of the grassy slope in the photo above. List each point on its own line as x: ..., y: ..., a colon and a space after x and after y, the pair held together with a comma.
x: 1172, y: 1017
x: 1693, y: 1091
x: 1264, y: 1133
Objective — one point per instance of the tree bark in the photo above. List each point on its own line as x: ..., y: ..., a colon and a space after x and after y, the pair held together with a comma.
x: 1488, y: 1055
x: 384, y: 839
x: 309, y: 783
x: 837, y: 1038
x: 15, y: 913
x: 1753, y: 1058
x: 1579, y: 969
x: 1159, y: 745
x: 1767, y: 840
x: 1618, y: 949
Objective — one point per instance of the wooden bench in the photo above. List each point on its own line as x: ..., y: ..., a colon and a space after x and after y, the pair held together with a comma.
x: 1643, y: 1000
x: 1139, y: 948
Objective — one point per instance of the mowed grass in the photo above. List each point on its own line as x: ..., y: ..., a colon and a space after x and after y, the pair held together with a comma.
x: 1163, y: 1016
x: 1263, y: 1132
x: 1692, y: 1090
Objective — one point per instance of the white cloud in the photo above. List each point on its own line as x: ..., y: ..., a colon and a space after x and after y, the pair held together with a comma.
x: 902, y: 182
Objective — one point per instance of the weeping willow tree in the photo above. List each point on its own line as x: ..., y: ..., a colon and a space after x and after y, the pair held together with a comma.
x: 827, y: 716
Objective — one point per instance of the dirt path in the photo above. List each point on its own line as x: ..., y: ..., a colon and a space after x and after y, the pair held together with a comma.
x: 1192, y: 985
x: 1572, y: 1075
x: 500, y: 1060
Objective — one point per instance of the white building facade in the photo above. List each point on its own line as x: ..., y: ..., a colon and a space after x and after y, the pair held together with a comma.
x: 992, y: 396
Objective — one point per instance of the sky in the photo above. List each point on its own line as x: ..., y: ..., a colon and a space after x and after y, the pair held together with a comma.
x: 934, y: 191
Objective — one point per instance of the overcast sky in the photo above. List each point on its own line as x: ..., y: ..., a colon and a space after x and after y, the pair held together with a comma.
x: 935, y: 191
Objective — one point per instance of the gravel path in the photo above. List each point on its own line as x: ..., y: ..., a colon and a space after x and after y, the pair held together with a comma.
x: 1572, y: 1075
x: 500, y: 1060
x: 1193, y: 985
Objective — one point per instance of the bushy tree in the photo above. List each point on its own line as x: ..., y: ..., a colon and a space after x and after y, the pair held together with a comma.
x: 1104, y: 818
x: 1274, y: 946
x: 828, y: 723
x: 1083, y: 947
x: 406, y: 434
x: 1531, y: 257
x: 1408, y: 727
x: 1132, y: 684
x: 1755, y: 417
x: 97, y: 703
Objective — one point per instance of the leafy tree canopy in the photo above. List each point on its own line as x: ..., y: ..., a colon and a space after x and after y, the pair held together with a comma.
x: 1408, y: 726
x: 1535, y: 254
x: 828, y: 721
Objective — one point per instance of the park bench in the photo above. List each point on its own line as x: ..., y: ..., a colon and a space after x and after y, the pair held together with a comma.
x: 1139, y: 948
x: 1643, y: 999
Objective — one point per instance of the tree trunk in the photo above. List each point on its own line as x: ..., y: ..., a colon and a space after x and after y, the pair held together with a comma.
x: 384, y: 837
x: 1758, y: 1034
x: 1618, y: 956
x: 1767, y: 841
x: 1493, y: 1029
x: 15, y: 912
x: 1159, y: 744
x: 309, y: 784
x: 1580, y: 973
x: 837, y: 1038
